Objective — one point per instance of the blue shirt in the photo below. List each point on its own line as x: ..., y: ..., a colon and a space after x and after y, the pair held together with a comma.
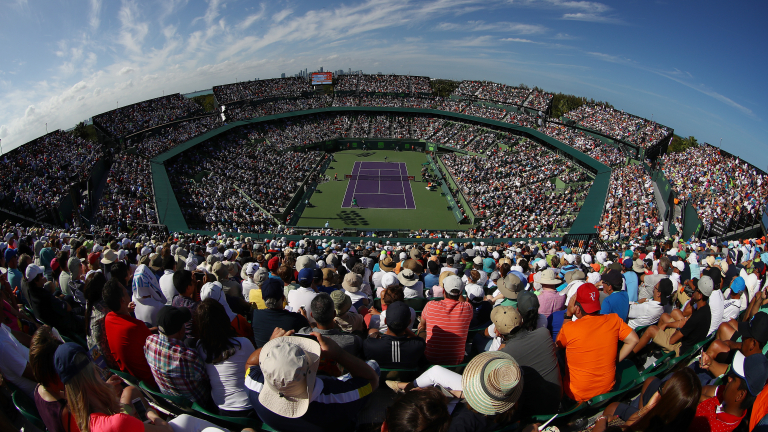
x: 617, y: 303
x: 632, y: 281
x: 431, y: 280
x: 14, y: 278
x: 334, y: 405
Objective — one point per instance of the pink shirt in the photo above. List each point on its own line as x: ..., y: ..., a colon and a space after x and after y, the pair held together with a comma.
x: 550, y: 301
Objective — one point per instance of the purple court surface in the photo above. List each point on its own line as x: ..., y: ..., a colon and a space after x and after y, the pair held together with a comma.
x: 380, y: 187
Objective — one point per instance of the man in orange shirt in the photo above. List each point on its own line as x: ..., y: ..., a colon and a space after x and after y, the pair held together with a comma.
x: 590, y: 345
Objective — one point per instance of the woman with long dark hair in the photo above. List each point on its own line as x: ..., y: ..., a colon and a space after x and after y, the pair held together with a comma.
x: 225, y: 355
x: 661, y: 407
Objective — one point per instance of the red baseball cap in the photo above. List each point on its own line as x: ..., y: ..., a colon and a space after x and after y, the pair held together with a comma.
x: 272, y: 264
x: 588, y: 297
x: 94, y: 257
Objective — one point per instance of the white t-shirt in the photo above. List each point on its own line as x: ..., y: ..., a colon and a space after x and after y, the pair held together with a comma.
x: 301, y: 297
x: 166, y: 285
x: 228, y: 378
x: 415, y: 291
x: 249, y: 285
x: 716, y: 308
x: 378, y: 321
x: 14, y: 360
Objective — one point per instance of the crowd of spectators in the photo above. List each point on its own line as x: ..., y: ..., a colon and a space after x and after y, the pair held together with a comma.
x: 719, y: 186
x: 128, y: 197
x: 618, y: 124
x: 499, y: 188
x: 586, y: 144
x: 630, y: 208
x: 147, y: 114
x: 39, y: 173
x: 248, y: 111
x: 491, y: 91
x: 539, y: 100
x: 261, y: 89
x: 496, y: 334
x: 383, y: 84
x: 171, y: 136
x: 235, y: 171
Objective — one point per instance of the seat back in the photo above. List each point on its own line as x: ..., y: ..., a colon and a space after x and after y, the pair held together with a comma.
x: 28, y: 409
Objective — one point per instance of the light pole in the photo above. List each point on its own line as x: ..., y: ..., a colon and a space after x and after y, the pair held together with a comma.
x: 721, y: 143
x: 46, y: 128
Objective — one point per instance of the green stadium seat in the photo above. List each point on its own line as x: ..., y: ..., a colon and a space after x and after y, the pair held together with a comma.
x: 231, y: 423
x: 27, y: 408
x: 660, y: 361
x: 572, y: 410
x: 173, y: 404
x: 126, y: 377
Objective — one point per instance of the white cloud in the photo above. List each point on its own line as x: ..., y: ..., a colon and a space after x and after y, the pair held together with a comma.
x: 518, y: 40
x: 591, y: 17
x: 126, y: 70
x: 283, y: 14
x: 250, y: 19
x: 93, y: 15
x: 507, y: 27
x: 133, y: 30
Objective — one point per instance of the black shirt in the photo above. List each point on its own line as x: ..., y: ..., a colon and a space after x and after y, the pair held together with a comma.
x: 535, y: 352
x: 393, y: 352
x: 695, y: 329
x: 266, y: 320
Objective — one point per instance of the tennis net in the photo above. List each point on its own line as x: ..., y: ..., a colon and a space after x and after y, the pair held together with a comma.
x: 400, y: 178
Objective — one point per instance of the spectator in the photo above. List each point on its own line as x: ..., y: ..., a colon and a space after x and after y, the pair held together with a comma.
x: 225, y: 354
x: 48, y: 396
x: 534, y: 351
x: 166, y: 280
x: 647, y: 312
x: 147, y: 295
x: 324, y: 312
x: 617, y: 300
x: 239, y: 323
x: 185, y: 284
x: 667, y: 406
x: 728, y: 408
x: 53, y: 310
x: 274, y: 316
x: 397, y: 347
x: 125, y: 334
x: 303, y: 296
x: 96, y: 405
x: 590, y: 374
x: 96, y: 311
x: 346, y: 319
x: 288, y: 365
x: 178, y: 370
x: 674, y: 332
x: 549, y: 299
x: 445, y: 324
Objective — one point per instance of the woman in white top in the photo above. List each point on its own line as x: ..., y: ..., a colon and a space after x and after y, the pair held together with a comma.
x: 224, y: 355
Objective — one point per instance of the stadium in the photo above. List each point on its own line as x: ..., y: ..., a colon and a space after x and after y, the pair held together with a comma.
x: 166, y: 164
x: 348, y: 238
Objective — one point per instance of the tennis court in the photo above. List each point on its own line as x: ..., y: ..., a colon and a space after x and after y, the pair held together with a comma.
x: 382, y: 185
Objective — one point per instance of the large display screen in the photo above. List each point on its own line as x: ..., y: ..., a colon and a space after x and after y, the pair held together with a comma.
x: 320, y: 78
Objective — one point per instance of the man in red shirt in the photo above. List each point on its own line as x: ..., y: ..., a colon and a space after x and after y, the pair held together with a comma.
x: 125, y: 335
x: 445, y: 324
x: 724, y: 412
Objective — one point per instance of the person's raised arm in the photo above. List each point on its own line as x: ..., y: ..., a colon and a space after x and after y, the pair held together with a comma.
x: 355, y: 366
x: 253, y: 359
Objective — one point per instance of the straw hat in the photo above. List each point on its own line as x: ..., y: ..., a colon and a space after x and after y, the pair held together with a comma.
x: 492, y: 382
x: 387, y: 265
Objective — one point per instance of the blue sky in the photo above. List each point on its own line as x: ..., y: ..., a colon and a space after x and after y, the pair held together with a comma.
x: 698, y: 67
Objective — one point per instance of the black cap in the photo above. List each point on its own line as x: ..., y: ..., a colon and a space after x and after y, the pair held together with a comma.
x: 756, y: 328
x: 317, y: 275
x: 171, y: 319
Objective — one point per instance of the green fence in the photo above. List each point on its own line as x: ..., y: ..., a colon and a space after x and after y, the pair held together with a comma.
x: 170, y: 214
x: 462, y: 200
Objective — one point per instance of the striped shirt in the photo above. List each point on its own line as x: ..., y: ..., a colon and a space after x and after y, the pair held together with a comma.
x: 333, y: 405
x: 447, y: 325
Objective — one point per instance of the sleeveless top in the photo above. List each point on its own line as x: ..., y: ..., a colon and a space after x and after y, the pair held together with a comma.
x: 50, y: 413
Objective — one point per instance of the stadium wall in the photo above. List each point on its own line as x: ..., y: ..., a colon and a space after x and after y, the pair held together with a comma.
x: 169, y: 212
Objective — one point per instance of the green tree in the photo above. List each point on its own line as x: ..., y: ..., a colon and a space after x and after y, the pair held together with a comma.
x: 680, y: 144
x: 443, y: 87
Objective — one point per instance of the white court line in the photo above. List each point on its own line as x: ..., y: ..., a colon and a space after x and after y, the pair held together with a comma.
x: 355, y: 189
x: 402, y: 188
